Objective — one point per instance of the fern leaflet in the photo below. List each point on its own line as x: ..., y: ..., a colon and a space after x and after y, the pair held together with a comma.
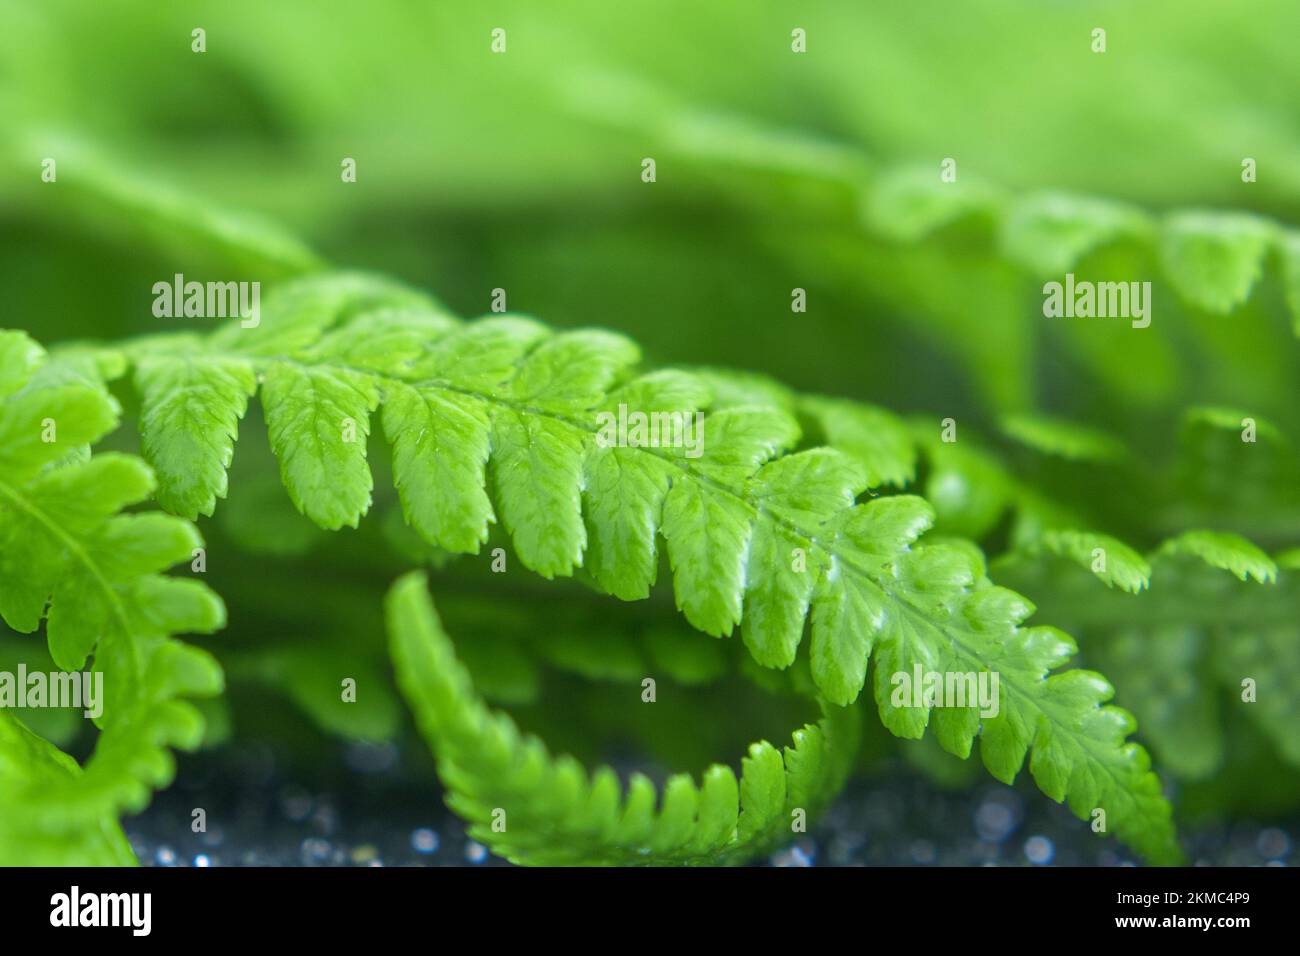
x: 1196, y: 643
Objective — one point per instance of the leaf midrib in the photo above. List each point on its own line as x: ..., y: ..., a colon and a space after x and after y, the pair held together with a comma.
x: 75, y: 548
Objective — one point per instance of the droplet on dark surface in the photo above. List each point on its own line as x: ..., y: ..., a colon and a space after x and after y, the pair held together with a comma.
x: 1273, y: 844
x: 365, y: 757
x: 424, y: 840
x: 295, y: 804
x: 1039, y: 850
x: 315, y: 851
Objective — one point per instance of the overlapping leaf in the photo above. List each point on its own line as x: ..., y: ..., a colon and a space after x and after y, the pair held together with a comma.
x: 532, y: 807
x: 70, y: 558
x: 1218, y: 629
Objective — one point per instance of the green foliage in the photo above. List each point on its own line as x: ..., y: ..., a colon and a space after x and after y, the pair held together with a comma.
x: 458, y: 438
x: 201, y: 401
x: 962, y: 262
x: 1219, y: 613
x: 531, y: 807
x: 1212, y: 259
x: 68, y: 556
x: 1066, y: 439
x: 1114, y: 562
x: 1215, y: 260
x: 498, y: 419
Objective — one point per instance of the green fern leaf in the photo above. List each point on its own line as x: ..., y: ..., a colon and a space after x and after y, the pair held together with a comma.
x: 69, y: 557
x: 197, y: 402
x: 1111, y: 560
x: 625, y: 490
x: 1212, y: 259
x: 1051, y: 232
x: 1215, y: 260
x: 533, y: 808
x: 1180, y: 652
x: 877, y: 440
x: 753, y: 527
x: 1223, y: 550
x: 910, y: 203
x: 29, y: 764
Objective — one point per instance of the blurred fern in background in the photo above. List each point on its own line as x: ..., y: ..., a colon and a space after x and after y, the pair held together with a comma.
x: 776, y: 171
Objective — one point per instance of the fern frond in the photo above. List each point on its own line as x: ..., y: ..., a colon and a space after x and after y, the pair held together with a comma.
x: 532, y: 807
x: 1212, y: 258
x: 31, y: 765
x: 1181, y: 653
x: 70, y: 558
x: 498, y: 419
x: 1110, y: 559
x: 1228, y: 552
